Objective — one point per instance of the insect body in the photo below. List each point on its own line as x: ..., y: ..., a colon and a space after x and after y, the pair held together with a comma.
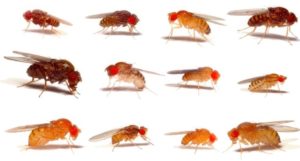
x: 43, y: 19
x: 41, y: 134
x: 128, y: 133
x: 198, y: 137
x: 116, y: 19
x: 125, y: 72
x: 265, y: 133
x: 198, y: 75
x: 189, y: 20
x: 263, y: 83
x: 271, y: 17
x: 53, y: 70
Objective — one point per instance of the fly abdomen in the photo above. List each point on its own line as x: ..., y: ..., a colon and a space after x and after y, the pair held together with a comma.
x: 258, y: 20
x: 268, y: 136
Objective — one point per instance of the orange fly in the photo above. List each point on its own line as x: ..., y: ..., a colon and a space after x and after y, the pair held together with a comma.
x: 128, y: 133
x: 41, y: 134
x: 261, y: 134
x: 198, y: 75
x: 196, y: 22
x: 197, y: 137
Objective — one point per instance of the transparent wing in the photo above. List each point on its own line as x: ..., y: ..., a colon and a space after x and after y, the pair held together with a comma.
x: 104, y: 135
x: 61, y: 20
x: 274, y: 123
x: 147, y: 71
x: 282, y: 128
x: 249, y: 80
x: 33, y: 56
x: 100, y: 15
x: 177, y: 132
x: 26, y: 128
x: 247, y: 12
x: 208, y: 17
x: 20, y: 59
x: 182, y: 71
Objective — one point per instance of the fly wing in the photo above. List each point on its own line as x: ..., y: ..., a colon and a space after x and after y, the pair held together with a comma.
x: 26, y: 128
x: 274, y: 123
x: 100, y: 15
x: 247, y: 12
x: 249, y: 80
x: 150, y: 72
x: 65, y: 22
x: 182, y: 71
x: 282, y: 128
x: 33, y: 56
x: 210, y: 18
x: 20, y: 59
x: 104, y: 135
x: 177, y: 133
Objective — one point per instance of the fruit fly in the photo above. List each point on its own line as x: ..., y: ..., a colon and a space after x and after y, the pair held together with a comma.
x: 125, y: 72
x: 198, y: 137
x: 196, y: 22
x: 52, y: 70
x: 198, y: 75
x: 43, y: 19
x: 270, y: 17
x: 263, y: 83
x: 128, y: 133
x: 41, y: 134
x: 264, y: 133
x: 116, y: 19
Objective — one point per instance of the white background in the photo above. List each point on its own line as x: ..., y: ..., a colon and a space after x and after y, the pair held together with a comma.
x: 169, y: 109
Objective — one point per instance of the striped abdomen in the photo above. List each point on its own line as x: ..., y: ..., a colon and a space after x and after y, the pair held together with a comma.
x: 189, y: 21
x: 259, y: 19
x: 126, y: 134
x: 200, y: 136
x: 264, y: 83
x: 52, y: 21
x: 201, y: 75
x: 132, y: 76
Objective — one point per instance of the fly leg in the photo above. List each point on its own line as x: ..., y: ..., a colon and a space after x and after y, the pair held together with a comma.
x: 44, y: 88
x: 172, y: 28
x: 25, y: 84
x: 27, y: 26
x: 135, y: 144
x: 249, y: 33
x: 266, y: 31
x: 288, y: 29
x: 115, y: 146
x: 198, y: 86
x: 197, y: 146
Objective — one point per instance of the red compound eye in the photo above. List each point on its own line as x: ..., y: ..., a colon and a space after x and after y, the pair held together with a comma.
x: 112, y: 70
x: 281, y: 79
x: 132, y: 20
x: 142, y: 130
x: 215, y: 75
x: 172, y: 16
x: 27, y: 15
x: 234, y: 134
x: 212, y: 138
x: 74, y: 131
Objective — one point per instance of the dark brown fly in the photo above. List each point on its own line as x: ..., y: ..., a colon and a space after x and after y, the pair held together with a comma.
x: 48, y: 69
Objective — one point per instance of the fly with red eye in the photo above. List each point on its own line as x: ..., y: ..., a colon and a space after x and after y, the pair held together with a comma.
x: 117, y: 19
x: 43, y: 19
x: 198, y: 75
x: 127, y: 133
x: 43, y: 133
